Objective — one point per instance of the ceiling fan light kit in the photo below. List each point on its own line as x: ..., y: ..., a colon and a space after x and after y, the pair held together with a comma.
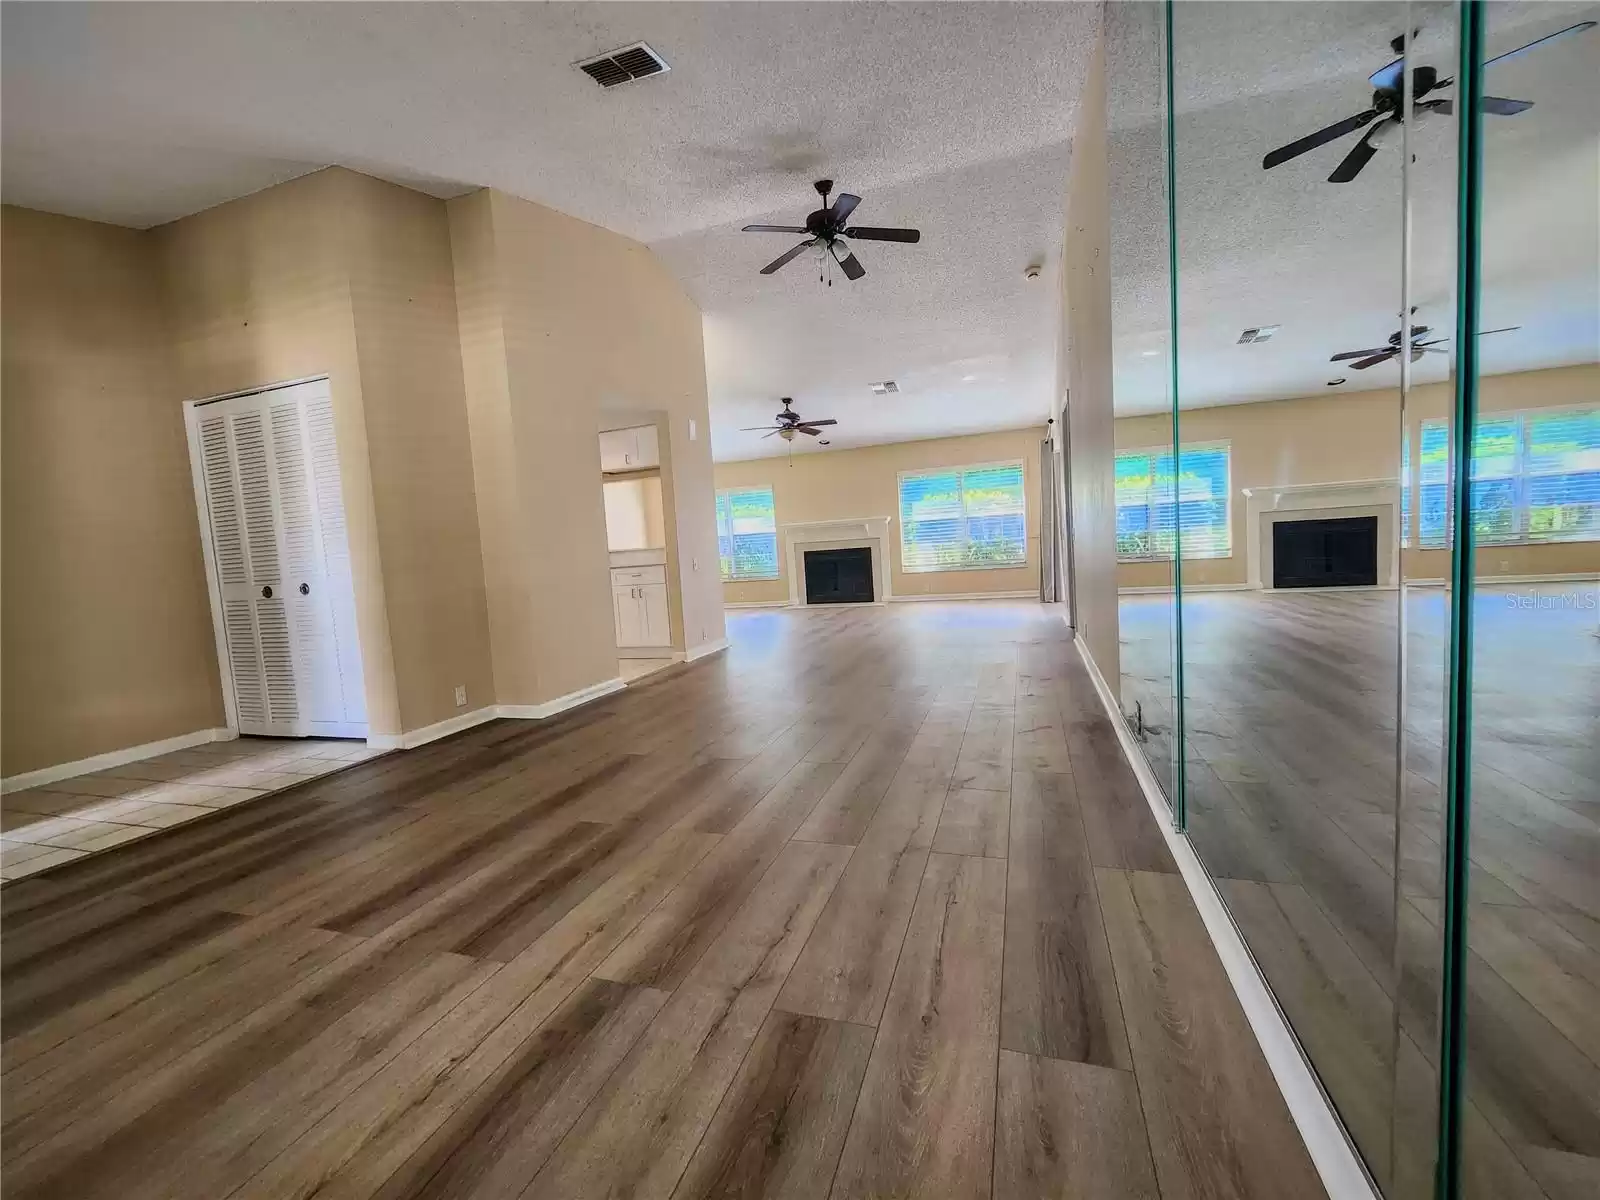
x: 790, y: 423
x: 1385, y: 115
x: 824, y: 229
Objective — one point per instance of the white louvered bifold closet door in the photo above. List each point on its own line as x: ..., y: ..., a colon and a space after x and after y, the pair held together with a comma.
x: 282, y: 562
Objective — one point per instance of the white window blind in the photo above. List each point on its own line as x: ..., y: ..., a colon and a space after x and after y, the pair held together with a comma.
x: 1535, y: 478
x: 747, y: 534
x: 963, y: 517
x: 1154, y: 502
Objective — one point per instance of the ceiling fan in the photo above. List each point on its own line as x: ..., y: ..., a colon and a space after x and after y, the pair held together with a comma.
x: 1372, y: 356
x: 789, y: 422
x: 1385, y: 116
x: 826, y: 226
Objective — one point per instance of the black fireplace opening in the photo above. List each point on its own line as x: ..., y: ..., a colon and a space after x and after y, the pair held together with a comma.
x: 839, y: 576
x: 1331, y: 552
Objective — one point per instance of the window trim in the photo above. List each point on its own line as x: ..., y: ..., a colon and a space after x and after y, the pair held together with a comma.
x: 1211, y: 444
x: 899, y: 483
x: 777, y: 549
x: 1445, y: 540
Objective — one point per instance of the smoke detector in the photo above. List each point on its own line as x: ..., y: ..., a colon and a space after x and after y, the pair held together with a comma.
x: 637, y: 61
x: 885, y: 388
x: 1261, y: 333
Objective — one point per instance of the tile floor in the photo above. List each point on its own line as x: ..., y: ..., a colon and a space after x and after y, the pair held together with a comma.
x: 58, y: 822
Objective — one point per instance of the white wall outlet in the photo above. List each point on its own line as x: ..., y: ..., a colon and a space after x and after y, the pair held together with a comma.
x: 461, y: 695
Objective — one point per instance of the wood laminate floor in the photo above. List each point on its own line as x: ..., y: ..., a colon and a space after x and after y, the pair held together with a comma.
x: 1291, y: 760
x: 868, y: 906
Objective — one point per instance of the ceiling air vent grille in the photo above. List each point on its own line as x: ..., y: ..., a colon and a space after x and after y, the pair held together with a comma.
x: 1261, y: 333
x: 619, y: 66
x: 885, y: 388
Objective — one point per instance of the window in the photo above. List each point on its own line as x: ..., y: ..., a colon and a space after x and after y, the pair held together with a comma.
x: 963, y: 517
x: 747, y: 534
x: 1535, y: 478
x: 1151, y: 504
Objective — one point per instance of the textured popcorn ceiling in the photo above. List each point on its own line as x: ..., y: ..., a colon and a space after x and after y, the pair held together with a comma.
x: 1323, y: 260
x: 951, y: 117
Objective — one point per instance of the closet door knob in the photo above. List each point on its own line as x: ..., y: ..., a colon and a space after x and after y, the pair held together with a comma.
x: 305, y: 589
x: 266, y: 592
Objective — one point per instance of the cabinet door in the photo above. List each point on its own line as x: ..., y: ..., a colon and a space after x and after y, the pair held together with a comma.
x: 619, y: 450
x: 629, y: 614
x: 654, y: 606
x: 647, y: 448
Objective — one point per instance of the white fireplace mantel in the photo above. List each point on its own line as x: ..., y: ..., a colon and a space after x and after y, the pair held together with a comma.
x: 1265, y: 506
x: 871, y: 532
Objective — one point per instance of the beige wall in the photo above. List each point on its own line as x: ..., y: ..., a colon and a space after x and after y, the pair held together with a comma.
x: 341, y: 275
x: 1337, y: 438
x: 1084, y: 374
x: 840, y: 484
x: 107, y: 638
x: 634, y: 518
x: 562, y: 321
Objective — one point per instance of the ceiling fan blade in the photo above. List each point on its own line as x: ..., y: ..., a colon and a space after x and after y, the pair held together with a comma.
x: 1418, y: 351
x: 758, y: 428
x: 1389, y: 78
x: 1447, y: 107
x: 1425, y: 345
x: 787, y: 255
x: 825, y: 421
x: 1360, y: 155
x: 848, y: 263
x: 1549, y: 37
x: 774, y: 433
x: 1349, y: 354
x: 1499, y: 106
x: 871, y: 233
x: 843, y: 205
x: 806, y: 429
x: 1502, y: 329
x: 773, y: 229
x: 1374, y: 360
x: 1321, y: 137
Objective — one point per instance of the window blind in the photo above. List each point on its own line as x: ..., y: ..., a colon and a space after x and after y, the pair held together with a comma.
x: 1155, y: 501
x: 963, y: 517
x: 1535, y: 477
x: 747, y: 534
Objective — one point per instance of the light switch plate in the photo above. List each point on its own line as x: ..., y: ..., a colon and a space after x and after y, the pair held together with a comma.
x: 692, y: 429
x: 461, y: 696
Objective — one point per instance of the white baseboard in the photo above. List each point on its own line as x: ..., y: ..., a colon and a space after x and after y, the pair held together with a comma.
x: 1480, y: 580
x: 648, y: 652
x: 538, y: 712
x: 1331, y: 1151
x: 413, y: 738
x: 760, y: 604
x: 1028, y: 594
x: 707, y: 648
x: 1158, y: 589
x: 114, y: 758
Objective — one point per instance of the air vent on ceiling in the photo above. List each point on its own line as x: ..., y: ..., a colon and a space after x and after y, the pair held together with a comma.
x: 619, y: 66
x: 884, y: 388
x: 1260, y: 334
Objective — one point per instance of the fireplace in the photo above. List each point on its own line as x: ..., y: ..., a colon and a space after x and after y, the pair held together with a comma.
x: 839, y: 576
x: 1327, y: 552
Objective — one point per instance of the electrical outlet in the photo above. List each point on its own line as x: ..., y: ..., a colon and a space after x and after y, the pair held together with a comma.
x: 461, y: 695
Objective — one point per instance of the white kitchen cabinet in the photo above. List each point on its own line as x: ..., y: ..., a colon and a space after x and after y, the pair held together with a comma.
x: 629, y: 449
x: 639, y: 606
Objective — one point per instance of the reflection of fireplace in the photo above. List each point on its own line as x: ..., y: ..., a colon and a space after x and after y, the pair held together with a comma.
x: 839, y: 576
x: 1329, y: 552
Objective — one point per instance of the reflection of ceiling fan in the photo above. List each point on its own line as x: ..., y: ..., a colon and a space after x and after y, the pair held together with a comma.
x: 1387, y: 99
x: 789, y: 422
x: 1381, y: 354
x: 824, y: 229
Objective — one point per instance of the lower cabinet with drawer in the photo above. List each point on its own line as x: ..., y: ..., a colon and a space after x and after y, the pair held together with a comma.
x: 639, y: 604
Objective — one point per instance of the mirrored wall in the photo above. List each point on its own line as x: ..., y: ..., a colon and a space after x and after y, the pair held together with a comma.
x: 1358, y: 558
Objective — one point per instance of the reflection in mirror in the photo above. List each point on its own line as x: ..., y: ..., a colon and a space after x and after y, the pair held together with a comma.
x: 1290, y: 285
x: 1142, y: 374
x: 1530, y: 1123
